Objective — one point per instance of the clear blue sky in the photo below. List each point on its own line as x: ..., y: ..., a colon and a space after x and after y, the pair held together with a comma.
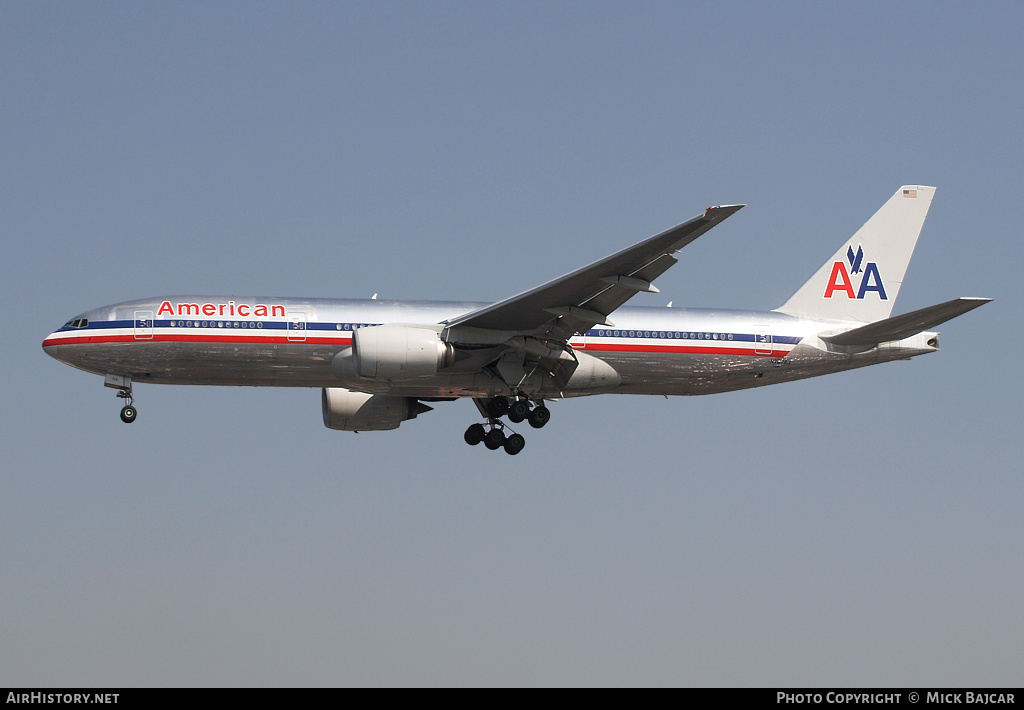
x: 859, y: 529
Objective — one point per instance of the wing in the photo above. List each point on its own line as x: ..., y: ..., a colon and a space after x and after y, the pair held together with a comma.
x: 578, y: 301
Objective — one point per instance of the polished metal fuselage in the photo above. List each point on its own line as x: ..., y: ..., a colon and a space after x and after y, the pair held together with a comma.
x: 292, y: 342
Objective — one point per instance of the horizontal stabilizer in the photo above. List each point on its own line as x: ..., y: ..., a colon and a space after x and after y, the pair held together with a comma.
x: 906, y: 325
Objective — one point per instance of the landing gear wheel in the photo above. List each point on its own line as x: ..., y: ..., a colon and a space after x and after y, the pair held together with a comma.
x: 514, y: 444
x: 498, y: 406
x: 475, y: 434
x: 540, y: 416
x: 519, y: 411
x: 494, y: 439
x: 124, y: 391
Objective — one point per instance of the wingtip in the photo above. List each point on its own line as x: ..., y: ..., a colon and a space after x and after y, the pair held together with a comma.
x: 722, y: 210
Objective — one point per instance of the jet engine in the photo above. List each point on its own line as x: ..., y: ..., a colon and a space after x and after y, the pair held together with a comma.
x: 357, y: 411
x: 399, y: 352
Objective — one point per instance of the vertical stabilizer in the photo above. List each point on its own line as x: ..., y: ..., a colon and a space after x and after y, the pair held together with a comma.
x: 862, y: 279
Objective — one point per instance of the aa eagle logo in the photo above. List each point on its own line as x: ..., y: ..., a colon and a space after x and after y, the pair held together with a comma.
x: 841, y: 280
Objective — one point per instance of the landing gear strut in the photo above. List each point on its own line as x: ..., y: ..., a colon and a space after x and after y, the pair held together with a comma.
x: 518, y: 409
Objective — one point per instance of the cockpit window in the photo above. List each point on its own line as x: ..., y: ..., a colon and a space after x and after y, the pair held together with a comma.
x: 77, y: 323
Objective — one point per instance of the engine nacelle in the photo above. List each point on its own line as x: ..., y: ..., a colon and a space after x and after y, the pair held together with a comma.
x: 399, y: 352
x: 357, y: 411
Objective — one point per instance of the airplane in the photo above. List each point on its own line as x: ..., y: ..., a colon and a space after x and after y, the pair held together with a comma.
x: 378, y: 362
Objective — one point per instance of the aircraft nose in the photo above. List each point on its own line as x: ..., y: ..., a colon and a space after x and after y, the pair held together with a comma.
x: 49, y: 341
x: 63, y: 336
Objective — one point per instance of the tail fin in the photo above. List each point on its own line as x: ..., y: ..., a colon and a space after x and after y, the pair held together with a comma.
x: 861, y: 280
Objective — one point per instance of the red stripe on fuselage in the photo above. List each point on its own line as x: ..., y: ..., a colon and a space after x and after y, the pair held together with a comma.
x: 344, y: 341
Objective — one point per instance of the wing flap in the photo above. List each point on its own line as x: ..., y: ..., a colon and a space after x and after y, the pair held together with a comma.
x: 906, y: 325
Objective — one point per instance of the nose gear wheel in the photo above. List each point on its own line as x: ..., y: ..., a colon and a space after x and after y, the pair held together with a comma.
x: 128, y: 411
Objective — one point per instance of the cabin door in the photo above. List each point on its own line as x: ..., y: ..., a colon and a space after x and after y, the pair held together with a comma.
x: 762, y: 340
x: 143, y: 325
x: 296, y: 327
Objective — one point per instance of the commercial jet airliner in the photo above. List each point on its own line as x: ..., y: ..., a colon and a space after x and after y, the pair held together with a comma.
x: 378, y: 361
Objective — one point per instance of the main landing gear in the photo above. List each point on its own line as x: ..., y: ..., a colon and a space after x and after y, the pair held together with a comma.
x: 493, y: 435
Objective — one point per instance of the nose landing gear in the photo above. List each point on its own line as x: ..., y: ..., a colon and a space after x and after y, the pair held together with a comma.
x: 128, y: 411
x: 123, y: 385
